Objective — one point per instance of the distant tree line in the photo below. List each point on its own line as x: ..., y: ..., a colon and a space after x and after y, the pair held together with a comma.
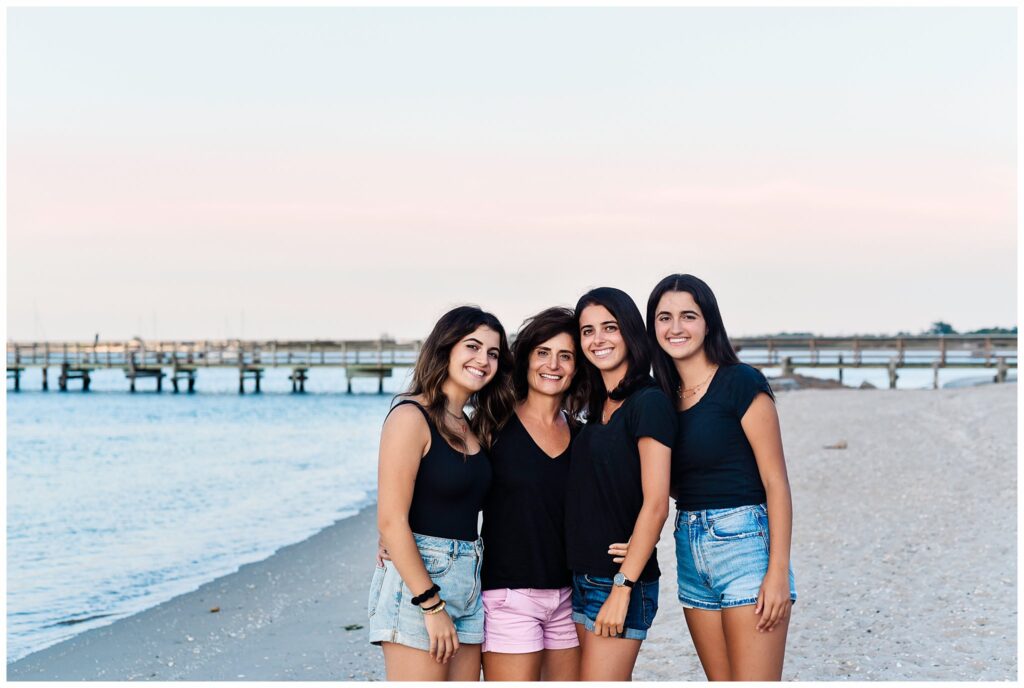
x: 940, y: 327
x: 937, y: 327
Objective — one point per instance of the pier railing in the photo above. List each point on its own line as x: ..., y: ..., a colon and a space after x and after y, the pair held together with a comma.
x: 212, y: 353
x: 910, y: 351
x: 378, y: 358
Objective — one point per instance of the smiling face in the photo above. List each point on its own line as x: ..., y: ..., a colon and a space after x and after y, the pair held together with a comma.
x: 679, y: 325
x: 473, y: 361
x: 601, y: 339
x: 552, y: 365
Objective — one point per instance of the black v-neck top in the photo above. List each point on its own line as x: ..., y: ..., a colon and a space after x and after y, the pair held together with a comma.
x: 713, y: 464
x: 524, y: 514
x: 449, y: 489
x: 605, y: 489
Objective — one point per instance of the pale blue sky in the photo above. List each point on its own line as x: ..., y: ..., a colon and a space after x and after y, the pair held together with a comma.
x: 346, y: 171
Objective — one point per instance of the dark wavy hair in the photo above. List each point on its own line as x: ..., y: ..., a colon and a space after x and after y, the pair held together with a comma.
x: 638, y: 358
x: 491, y: 405
x: 532, y: 333
x: 717, y: 346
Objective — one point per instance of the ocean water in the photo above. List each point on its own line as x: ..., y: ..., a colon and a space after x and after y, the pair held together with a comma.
x: 117, y: 502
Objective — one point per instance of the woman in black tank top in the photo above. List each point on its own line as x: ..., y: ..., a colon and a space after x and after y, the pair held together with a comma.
x: 528, y: 624
x: 433, y: 472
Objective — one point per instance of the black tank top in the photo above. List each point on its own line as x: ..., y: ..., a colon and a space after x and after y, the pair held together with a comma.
x: 524, y: 514
x: 449, y: 490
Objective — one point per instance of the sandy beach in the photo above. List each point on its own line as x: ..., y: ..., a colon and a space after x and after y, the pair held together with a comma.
x: 904, y: 553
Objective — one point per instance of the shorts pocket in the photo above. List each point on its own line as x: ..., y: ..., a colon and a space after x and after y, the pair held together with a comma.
x: 495, y: 599
x: 436, y: 562
x: 735, y: 526
x: 649, y: 597
x: 376, y: 583
x: 598, y: 581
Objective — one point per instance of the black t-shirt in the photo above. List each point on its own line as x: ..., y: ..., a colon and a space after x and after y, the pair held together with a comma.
x: 449, y: 489
x: 524, y: 514
x: 605, y: 491
x: 713, y: 465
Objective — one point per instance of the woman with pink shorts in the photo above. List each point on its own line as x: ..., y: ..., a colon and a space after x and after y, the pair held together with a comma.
x: 529, y: 634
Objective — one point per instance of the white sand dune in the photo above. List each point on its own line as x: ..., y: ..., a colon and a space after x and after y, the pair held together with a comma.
x: 905, y: 551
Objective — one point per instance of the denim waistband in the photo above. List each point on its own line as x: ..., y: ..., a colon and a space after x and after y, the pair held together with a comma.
x: 705, y: 516
x: 454, y: 548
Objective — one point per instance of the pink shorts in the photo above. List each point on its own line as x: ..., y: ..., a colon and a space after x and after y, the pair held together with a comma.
x: 528, y: 620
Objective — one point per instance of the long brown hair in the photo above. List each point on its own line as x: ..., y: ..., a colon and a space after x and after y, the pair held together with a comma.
x: 491, y: 404
x: 532, y: 333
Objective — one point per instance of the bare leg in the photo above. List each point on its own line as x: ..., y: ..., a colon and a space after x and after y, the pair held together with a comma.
x: 505, y: 666
x: 561, y: 665
x: 606, y: 659
x: 709, y: 640
x: 753, y: 655
x: 404, y: 663
x: 465, y: 665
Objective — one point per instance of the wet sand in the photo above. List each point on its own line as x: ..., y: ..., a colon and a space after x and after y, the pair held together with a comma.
x: 905, y: 551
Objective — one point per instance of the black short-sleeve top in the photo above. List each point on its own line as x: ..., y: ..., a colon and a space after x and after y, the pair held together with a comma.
x: 713, y: 465
x: 449, y: 490
x: 605, y: 492
x: 524, y: 514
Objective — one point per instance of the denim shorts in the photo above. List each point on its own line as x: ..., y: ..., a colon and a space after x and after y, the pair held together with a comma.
x: 722, y: 556
x: 452, y: 564
x: 590, y: 592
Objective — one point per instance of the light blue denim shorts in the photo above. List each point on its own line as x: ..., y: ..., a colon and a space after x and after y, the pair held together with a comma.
x: 722, y: 556
x: 452, y: 564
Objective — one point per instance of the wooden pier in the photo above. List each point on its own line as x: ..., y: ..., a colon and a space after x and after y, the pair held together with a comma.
x: 935, y: 352
x: 182, y: 360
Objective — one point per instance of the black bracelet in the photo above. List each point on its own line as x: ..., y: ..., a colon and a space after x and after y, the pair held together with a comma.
x: 420, y: 599
x: 432, y: 607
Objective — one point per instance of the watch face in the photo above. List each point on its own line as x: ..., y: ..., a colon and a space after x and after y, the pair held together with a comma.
x: 619, y: 579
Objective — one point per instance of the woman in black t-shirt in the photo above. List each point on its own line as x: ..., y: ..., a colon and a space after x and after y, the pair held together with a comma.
x: 734, y: 509
x: 618, y: 486
x: 529, y: 634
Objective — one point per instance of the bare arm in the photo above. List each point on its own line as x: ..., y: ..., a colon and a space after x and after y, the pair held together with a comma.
x: 761, y: 426
x: 403, y: 442
x: 655, y: 468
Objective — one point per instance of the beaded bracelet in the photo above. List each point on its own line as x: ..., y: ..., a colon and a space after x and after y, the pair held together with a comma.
x: 420, y: 599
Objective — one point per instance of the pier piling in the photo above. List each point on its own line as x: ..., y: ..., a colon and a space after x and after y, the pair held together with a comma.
x: 15, y: 374
x: 246, y: 372
x: 68, y: 373
x: 298, y: 378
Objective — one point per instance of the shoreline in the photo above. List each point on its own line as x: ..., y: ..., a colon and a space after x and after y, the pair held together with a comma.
x: 887, y: 553
x: 281, y: 618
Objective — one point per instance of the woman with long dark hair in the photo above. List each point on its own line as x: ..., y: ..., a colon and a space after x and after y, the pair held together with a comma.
x: 734, y: 508
x: 529, y: 634
x: 618, y: 486
x: 433, y: 474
